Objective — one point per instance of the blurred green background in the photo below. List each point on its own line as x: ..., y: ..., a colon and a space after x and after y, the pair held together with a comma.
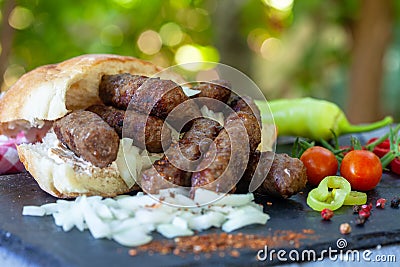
x: 344, y: 51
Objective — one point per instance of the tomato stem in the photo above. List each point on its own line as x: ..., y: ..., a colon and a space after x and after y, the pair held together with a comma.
x: 355, y: 143
x: 385, y: 160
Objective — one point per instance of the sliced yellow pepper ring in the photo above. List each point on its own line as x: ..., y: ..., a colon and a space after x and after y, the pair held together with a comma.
x: 330, y: 193
x: 355, y: 198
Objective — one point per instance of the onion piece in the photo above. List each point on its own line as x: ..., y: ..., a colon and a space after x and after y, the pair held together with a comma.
x: 50, y: 208
x: 33, y: 211
x: 208, y: 113
x: 132, y: 237
x: 241, y: 221
x: 189, y: 92
x: 171, y: 231
x: 96, y: 226
x: 206, y: 221
x: 235, y: 200
x: 180, y: 222
x: 132, y: 203
x: 153, y: 216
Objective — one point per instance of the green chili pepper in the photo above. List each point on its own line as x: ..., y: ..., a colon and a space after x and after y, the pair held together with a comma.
x: 312, y: 118
x: 322, y: 197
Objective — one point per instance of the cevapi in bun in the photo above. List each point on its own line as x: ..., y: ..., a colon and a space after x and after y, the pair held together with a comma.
x: 50, y: 93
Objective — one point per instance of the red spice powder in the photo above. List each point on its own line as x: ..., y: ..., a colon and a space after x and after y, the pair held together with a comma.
x: 223, y: 243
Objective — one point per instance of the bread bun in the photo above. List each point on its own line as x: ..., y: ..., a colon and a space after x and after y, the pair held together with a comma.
x: 49, y: 93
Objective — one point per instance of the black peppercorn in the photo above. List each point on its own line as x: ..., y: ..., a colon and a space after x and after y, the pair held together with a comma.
x: 395, y: 203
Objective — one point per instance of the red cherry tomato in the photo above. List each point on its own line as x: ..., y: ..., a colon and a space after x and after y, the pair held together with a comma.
x: 381, y: 149
x: 362, y: 169
x: 319, y: 162
x: 395, y: 165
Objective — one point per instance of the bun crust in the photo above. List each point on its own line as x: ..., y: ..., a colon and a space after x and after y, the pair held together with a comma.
x: 52, y: 91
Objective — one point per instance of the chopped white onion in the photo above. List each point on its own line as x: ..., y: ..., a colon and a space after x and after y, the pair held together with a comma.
x: 33, y: 211
x: 217, y: 116
x: 50, y: 208
x: 180, y: 222
x: 171, y: 230
x: 190, y: 92
x: 129, y: 220
x: 241, y: 221
x: 132, y: 203
x: 97, y: 227
x: 132, y: 237
x: 208, y: 220
x: 103, y: 211
x: 235, y: 200
x: 128, y: 161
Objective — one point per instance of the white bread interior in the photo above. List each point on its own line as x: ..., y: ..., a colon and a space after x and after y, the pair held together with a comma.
x: 50, y: 92
x: 70, y: 177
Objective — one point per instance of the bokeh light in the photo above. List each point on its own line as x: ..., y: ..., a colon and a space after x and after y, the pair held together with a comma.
x: 20, y: 18
x: 282, y: 5
x: 171, y: 34
x: 198, y: 54
x: 187, y: 54
x: 149, y: 42
x: 271, y: 48
x: 256, y: 38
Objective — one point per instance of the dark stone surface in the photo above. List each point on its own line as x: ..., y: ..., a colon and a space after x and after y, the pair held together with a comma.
x: 40, y: 242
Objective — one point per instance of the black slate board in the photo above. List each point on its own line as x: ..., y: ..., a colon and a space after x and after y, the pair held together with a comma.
x: 40, y: 242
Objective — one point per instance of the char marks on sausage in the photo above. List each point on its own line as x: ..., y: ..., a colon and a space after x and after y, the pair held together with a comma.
x: 217, y: 89
x: 146, y: 131
x: 88, y: 136
x: 181, y: 157
x: 282, y: 175
x: 153, y: 96
x: 228, y: 160
x: 117, y: 90
x: 246, y: 104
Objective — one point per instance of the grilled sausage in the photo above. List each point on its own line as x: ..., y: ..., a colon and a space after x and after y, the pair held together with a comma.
x: 147, y: 132
x: 153, y: 96
x: 282, y: 175
x: 117, y: 90
x: 228, y: 161
x: 88, y: 136
x: 114, y: 117
x: 217, y: 89
x: 246, y: 104
x: 181, y: 158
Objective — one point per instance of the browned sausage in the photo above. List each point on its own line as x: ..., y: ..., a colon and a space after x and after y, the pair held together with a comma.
x: 282, y: 175
x: 228, y: 161
x: 117, y: 90
x: 217, y: 89
x: 193, y: 143
x: 88, y: 136
x: 114, y: 117
x: 153, y: 96
x: 181, y: 158
x: 246, y: 104
x: 148, y: 134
